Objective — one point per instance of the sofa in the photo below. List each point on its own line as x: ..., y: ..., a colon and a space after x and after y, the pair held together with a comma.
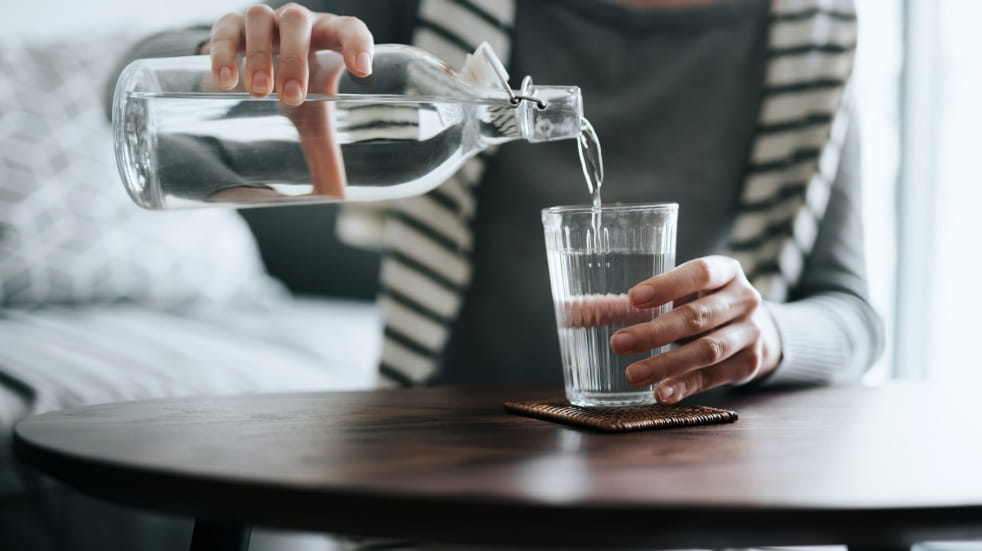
x: 101, y: 301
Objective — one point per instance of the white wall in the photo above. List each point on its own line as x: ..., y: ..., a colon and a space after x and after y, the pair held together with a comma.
x: 44, y: 19
x: 875, y: 80
x: 952, y: 327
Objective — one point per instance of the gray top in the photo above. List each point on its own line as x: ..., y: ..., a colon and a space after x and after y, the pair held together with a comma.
x: 675, y: 120
x: 674, y: 95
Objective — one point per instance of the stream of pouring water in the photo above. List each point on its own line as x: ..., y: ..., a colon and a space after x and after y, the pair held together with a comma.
x: 591, y: 160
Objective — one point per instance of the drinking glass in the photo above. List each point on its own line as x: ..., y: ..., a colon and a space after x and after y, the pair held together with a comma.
x: 595, y: 256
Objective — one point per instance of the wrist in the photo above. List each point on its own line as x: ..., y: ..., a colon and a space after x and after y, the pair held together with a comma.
x: 770, y: 338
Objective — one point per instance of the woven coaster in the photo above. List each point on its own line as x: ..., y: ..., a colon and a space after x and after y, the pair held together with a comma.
x: 622, y: 419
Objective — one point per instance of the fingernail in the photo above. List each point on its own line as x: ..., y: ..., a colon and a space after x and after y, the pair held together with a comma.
x: 641, y: 294
x: 638, y: 373
x: 292, y: 93
x: 364, y: 63
x: 623, y: 342
x: 259, y: 82
x: 225, y: 77
x: 665, y: 393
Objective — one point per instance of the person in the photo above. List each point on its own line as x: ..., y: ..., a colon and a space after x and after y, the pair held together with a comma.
x: 679, y: 91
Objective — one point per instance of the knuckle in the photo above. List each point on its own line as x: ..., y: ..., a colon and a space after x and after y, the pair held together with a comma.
x: 755, y: 332
x: 259, y: 10
x: 258, y: 60
x: 755, y: 356
x: 702, y: 271
x: 231, y: 17
x: 227, y: 28
x: 291, y: 61
x: 683, y: 388
x: 291, y: 6
x: 690, y: 384
x: 347, y: 20
x: 293, y: 12
x: 705, y: 381
x: 352, y: 24
x: 751, y: 365
x: 219, y: 44
x: 712, y: 350
x: 752, y: 296
x: 697, y: 317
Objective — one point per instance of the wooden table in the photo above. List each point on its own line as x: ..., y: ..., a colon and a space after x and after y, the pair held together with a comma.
x: 869, y: 467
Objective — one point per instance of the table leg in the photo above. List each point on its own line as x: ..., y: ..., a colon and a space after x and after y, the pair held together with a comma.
x: 219, y: 536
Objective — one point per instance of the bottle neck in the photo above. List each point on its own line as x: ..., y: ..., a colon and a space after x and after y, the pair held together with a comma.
x: 536, y: 113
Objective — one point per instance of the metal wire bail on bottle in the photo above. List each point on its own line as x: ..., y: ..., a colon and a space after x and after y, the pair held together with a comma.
x: 513, y: 98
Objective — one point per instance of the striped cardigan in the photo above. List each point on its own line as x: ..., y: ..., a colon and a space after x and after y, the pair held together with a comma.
x: 795, y: 154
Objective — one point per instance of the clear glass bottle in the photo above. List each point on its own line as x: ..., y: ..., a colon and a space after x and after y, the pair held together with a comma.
x: 182, y: 142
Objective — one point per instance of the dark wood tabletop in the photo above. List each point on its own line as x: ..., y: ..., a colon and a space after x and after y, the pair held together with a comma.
x: 883, y: 466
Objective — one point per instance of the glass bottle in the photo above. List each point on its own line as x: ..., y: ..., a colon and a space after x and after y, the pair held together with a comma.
x: 182, y: 142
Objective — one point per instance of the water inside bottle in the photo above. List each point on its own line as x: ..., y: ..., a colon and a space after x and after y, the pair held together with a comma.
x: 200, y: 149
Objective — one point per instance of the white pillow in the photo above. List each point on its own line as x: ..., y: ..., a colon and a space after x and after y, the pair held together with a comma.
x: 68, y: 232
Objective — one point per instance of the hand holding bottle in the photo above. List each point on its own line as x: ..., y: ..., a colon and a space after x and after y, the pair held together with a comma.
x: 181, y: 141
x: 292, y: 32
x: 314, y: 121
x: 319, y: 145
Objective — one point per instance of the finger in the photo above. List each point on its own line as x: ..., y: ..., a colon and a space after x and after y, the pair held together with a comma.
x: 224, y: 46
x: 701, y: 274
x: 350, y: 36
x: 294, y: 23
x: 260, y: 25
x: 702, y: 352
x: 736, y: 300
x: 740, y: 368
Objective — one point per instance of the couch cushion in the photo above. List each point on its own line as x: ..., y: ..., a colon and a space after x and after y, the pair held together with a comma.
x: 70, y: 356
x: 59, y: 357
x: 68, y: 232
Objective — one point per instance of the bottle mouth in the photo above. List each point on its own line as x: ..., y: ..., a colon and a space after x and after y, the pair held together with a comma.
x: 548, y: 113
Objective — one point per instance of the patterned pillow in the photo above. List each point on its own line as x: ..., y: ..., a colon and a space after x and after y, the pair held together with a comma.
x: 68, y: 232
